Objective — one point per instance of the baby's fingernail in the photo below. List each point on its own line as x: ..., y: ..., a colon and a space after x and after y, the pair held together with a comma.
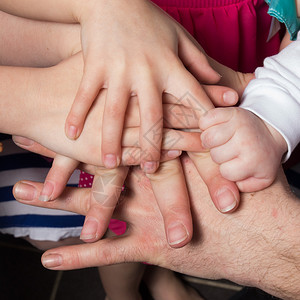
x: 72, y: 132
x: 24, y: 191
x: 226, y: 200
x: 230, y: 97
x: 90, y: 228
x: 177, y: 233
x: 52, y: 260
x: 174, y: 153
x: 110, y: 161
x: 150, y: 167
x: 46, y: 191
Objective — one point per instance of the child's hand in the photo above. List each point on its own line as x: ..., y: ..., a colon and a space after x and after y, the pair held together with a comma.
x: 133, y: 48
x: 248, y: 150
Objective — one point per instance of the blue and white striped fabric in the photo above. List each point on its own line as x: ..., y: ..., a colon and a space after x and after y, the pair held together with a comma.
x: 23, y: 220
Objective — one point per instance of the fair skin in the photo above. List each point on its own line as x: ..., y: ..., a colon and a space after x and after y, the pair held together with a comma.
x: 130, y: 67
x: 62, y: 81
x: 248, y: 150
x: 51, y: 44
x: 259, y: 242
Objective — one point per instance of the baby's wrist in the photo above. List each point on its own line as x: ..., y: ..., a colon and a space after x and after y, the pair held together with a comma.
x: 280, y: 143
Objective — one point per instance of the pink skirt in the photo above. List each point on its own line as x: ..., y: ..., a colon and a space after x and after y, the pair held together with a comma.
x: 233, y: 32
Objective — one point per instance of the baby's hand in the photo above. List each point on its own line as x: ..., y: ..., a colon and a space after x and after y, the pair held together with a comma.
x: 248, y: 150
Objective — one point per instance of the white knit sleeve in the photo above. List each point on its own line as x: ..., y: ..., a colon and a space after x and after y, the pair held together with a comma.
x: 274, y: 95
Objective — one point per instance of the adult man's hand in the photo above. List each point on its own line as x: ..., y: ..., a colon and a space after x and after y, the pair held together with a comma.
x: 258, y: 245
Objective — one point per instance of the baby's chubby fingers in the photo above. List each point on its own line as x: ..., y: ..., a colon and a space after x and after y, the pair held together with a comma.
x: 217, y: 135
x: 215, y: 116
x: 169, y: 187
x: 225, y: 152
x: 237, y: 169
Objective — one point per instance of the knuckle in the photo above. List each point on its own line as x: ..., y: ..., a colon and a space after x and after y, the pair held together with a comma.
x: 207, y: 139
x: 113, y: 110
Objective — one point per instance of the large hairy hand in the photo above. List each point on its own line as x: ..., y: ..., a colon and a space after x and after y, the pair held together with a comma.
x: 257, y: 245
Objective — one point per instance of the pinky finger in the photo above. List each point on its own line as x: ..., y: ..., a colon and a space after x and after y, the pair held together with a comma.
x: 57, y: 178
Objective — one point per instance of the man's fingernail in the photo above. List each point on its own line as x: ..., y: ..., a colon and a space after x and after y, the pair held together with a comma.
x: 150, y: 167
x: 46, y: 191
x: 90, y: 228
x: 110, y: 161
x: 52, y: 261
x: 174, y: 153
x: 72, y: 132
x: 230, y: 97
x: 226, y: 200
x: 22, y: 141
x: 177, y: 233
x: 24, y: 191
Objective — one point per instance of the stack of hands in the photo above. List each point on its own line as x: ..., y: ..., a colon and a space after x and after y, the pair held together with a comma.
x: 139, y: 105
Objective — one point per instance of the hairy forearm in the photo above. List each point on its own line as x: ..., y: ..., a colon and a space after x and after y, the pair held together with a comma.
x: 257, y: 245
x: 271, y: 239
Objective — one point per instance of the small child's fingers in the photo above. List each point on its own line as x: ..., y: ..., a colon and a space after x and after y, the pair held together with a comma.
x: 112, y: 125
x: 221, y: 95
x: 224, y: 193
x: 215, y: 116
x: 105, y: 193
x: 217, y: 135
x: 151, y: 127
x: 236, y: 169
x: 57, y: 178
x: 169, y: 187
x: 224, y: 153
x: 89, y: 88
x: 253, y: 184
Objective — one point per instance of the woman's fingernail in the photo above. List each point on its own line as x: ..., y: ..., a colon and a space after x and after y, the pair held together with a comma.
x: 226, y: 200
x: 174, y: 153
x: 24, y: 191
x: 230, y: 97
x: 19, y: 140
x: 52, y: 260
x: 72, y: 132
x: 177, y: 233
x: 46, y: 191
x: 150, y: 167
x: 110, y: 161
x: 90, y: 228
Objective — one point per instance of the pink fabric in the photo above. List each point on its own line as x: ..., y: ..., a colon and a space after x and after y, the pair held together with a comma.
x: 234, y: 32
x: 116, y: 226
